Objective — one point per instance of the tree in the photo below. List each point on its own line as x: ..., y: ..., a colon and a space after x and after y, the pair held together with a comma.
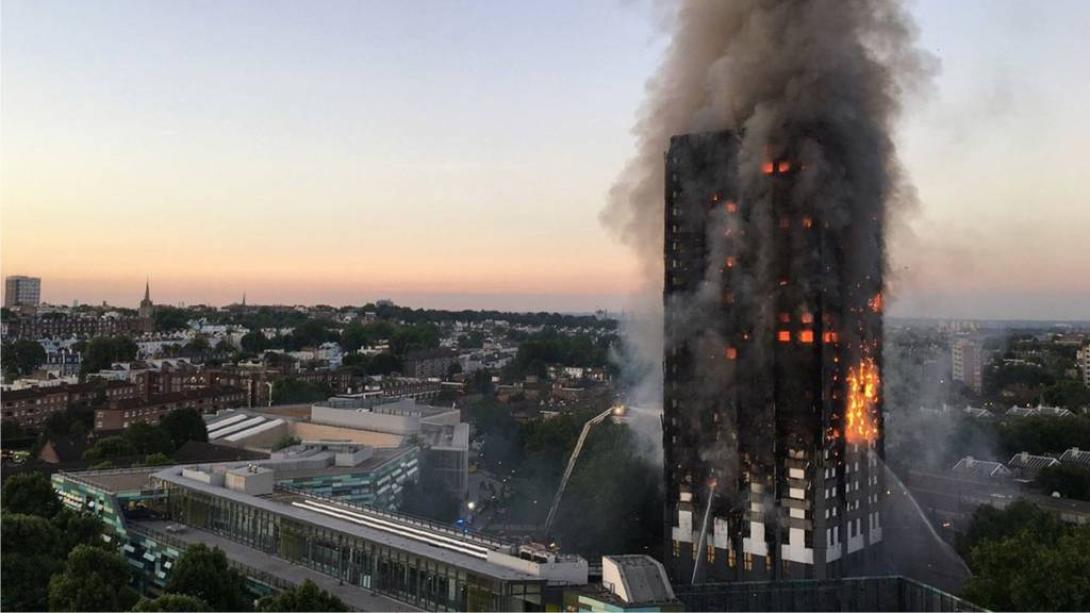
x: 168, y: 318
x: 992, y: 524
x: 93, y: 579
x: 32, y: 494
x: 205, y: 574
x: 199, y: 347
x: 1044, y: 434
x: 473, y: 340
x: 254, y: 342
x: 413, y: 338
x: 285, y: 441
x: 22, y: 358
x: 1069, y: 394
x: 291, y: 391
x: 147, y: 439
x: 11, y: 430
x: 109, y: 448
x: 156, y: 459
x: 306, y: 597
x: 353, y: 337
x: 184, y: 425
x: 29, y: 553
x: 76, y: 529
x: 383, y: 364
x: 310, y: 333
x: 480, y: 382
x: 171, y: 602
x: 1024, y: 573
x: 1070, y: 481
x: 101, y: 352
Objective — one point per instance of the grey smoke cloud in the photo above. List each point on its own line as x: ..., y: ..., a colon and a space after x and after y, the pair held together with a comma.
x: 763, y: 68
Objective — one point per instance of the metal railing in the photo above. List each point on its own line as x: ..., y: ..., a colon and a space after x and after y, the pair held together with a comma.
x: 410, y: 520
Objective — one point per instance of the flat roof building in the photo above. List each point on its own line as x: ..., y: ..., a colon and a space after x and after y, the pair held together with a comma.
x: 20, y: 290
x: 368, y: 553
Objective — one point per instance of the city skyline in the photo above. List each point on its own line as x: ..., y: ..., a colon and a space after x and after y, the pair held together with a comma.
x: 297, y: 166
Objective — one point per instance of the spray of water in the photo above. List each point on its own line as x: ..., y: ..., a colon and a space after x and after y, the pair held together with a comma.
x: 942, y: 545
x: 701, y: 542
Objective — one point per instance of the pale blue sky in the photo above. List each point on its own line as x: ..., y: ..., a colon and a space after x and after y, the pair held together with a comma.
x: 459, y: 152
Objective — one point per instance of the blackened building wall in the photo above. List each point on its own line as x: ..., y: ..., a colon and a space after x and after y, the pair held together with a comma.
x: 772, y: 421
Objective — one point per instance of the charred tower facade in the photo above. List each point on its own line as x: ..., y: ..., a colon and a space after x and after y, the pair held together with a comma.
x: 772, y: 419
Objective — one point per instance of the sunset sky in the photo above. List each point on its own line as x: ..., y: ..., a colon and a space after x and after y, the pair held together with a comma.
x: 457, y: 154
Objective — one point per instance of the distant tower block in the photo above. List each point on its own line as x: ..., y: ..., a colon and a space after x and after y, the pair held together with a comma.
x: 772, y: 421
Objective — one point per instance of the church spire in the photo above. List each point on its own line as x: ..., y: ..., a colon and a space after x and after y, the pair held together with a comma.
x: 147, y: 289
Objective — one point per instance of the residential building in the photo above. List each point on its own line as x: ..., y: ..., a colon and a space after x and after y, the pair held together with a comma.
x: 1039, y: 411
x: 1083, y: 360
x: 32, y: 406
x: 968, y: 363
x: 1076, y: 457
x: 22, y: 291
x: 772, y: 417
x: 83, y: 327
x: 972, y: 468
x: 121, y: 414
x: 429, y: 363
x: 1025, y: 465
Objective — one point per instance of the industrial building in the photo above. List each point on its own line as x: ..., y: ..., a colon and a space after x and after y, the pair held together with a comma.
x: 772, y: 425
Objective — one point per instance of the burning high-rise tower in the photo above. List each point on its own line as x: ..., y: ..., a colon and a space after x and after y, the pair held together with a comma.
x: 772, y: 422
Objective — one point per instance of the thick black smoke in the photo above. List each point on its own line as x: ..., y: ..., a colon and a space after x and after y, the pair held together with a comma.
x: 821, y: 81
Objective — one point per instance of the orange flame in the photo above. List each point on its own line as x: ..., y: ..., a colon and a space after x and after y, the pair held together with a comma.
x: 732, y: 207
x: 768, y: 168
x: 863, y: 384
x: 875, y: 303
x: 784, y: 166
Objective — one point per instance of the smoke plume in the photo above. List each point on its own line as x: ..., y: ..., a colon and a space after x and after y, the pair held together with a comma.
x: 820, y: 80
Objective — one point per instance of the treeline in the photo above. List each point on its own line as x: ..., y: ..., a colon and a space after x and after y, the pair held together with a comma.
x: 1025, y: 559
x: 537, y: 351
x: 541, y: 318
x: 153, y: 443
x: 256, y: 318
x: 314, y: 332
